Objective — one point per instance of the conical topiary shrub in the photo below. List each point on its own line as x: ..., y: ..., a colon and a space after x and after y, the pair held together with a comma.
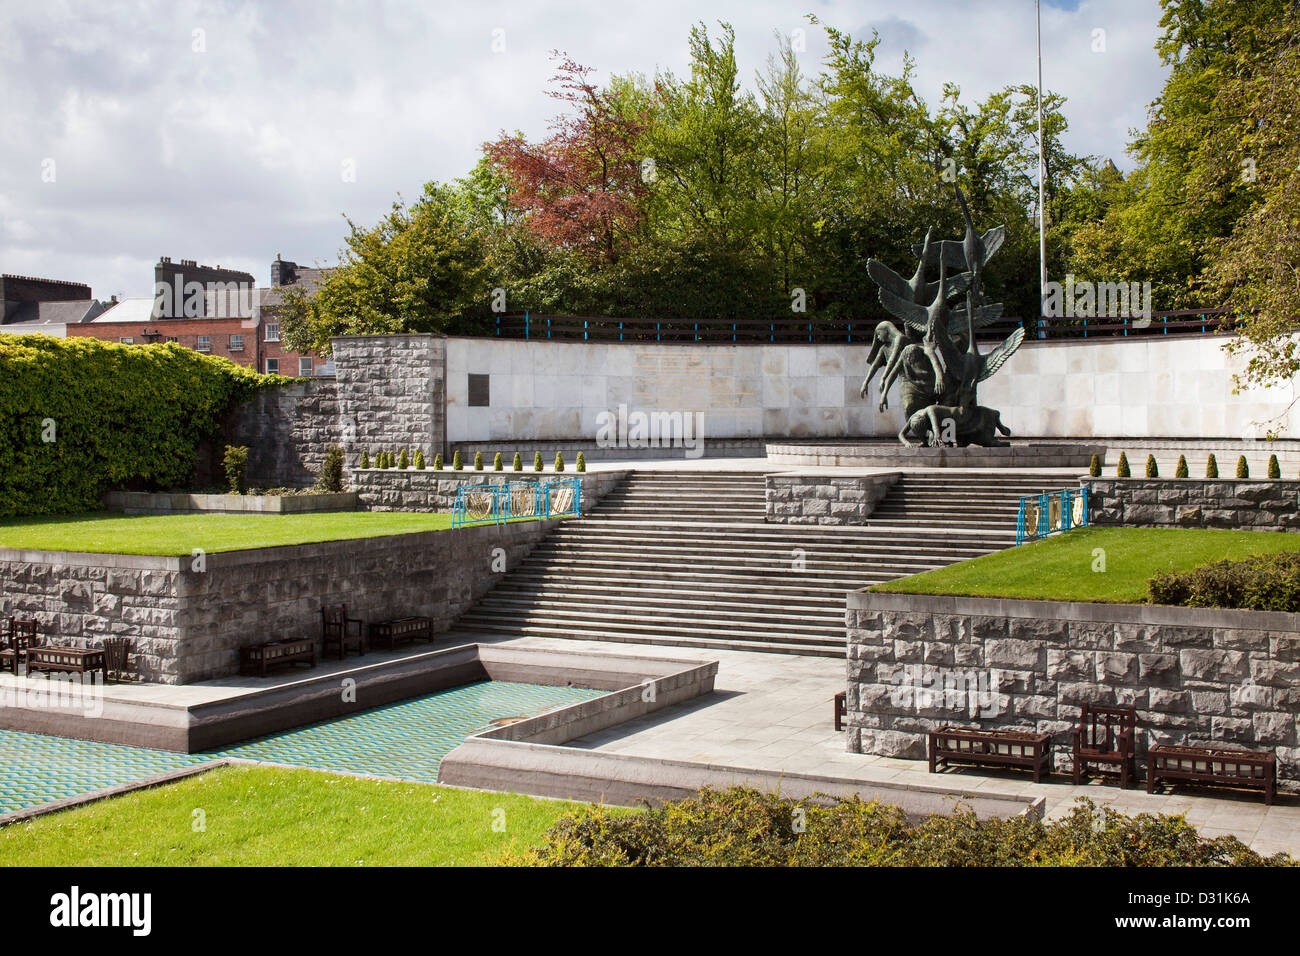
x: 1243, y: 469
x: 582, y: 462
x: 1122, y: 470
x: 537, y: 462
x: 519, y: 462
x: 478, y: 461
x: 1152, y: 470
x: 1094, y: 466
x: 365, y: 459
x: 419, y: 459
x: 437, y: 462
x: 402, y: 461
x: 1211, y: 467
x: 1181, y: 470
x: 559, y: 461
x: 496, y: 462
x: 1274, y: 469
x: 456, y: 463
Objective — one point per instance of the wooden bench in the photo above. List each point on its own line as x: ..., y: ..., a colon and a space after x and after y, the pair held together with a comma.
x: 390, y: 633
x: 256, y: 658
x: 995, y: 748
x: 74, y: 660
x: 840, y: 707
x: 1247, y: 769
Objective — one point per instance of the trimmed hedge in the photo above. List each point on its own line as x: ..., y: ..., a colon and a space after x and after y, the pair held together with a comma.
x: 743, y: 827
x: 117, y: 414
x: 1264, y: 582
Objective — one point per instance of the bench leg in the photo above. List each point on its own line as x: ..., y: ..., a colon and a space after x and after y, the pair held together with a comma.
x: 1151, y: 777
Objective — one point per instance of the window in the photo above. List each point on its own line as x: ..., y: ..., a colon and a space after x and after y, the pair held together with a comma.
x: 479, y: 393
x: 172, y: 338
x: 236, y: 343
x: 273, y: 331
x: 203, y: 344
x: 127, y: 341
x: 304, y: 366
x: 272, y: 366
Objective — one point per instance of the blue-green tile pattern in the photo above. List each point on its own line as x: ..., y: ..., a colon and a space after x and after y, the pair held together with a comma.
x: 406, y: 740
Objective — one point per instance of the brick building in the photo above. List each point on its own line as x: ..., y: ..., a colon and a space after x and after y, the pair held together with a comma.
x: 212, y: 310
x: 44, y: 305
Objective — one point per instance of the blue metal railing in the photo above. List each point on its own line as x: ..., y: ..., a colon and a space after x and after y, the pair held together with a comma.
x: 510, y: 500
x: 1050, y: 512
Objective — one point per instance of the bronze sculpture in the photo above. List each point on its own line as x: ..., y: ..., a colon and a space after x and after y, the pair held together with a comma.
x: 934, y: 352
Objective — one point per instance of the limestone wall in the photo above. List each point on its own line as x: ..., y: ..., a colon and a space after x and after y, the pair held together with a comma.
x: 1195, y: 675
x: 391, y: 392
x: 821, y: 499
x: 1194, y: 502
x: 287, y: 430
x: 392, y: 489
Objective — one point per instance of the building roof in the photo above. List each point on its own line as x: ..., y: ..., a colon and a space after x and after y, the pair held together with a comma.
x: 131, y: 309
x: 69, y: 312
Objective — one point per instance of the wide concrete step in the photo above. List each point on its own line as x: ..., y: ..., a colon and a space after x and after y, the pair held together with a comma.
x: 775, y: 555
x: 618, y: 525
x: 708, y: 563
x: 812, y: 625
x: 666, y: 640
x: 656, y: 629
x: 711, y: 572
x: 681, y: 594
x: 736, y: 586
x: 881, y: 545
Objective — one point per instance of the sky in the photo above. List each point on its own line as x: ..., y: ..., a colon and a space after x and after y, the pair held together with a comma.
x: 232, y: 132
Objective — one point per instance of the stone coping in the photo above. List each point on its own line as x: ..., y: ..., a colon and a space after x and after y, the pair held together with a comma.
x: 147, y: 502
x: 896, y: 455
x: 1280, y: 621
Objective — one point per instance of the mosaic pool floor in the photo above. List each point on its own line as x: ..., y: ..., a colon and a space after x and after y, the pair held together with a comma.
x: 406, y: 740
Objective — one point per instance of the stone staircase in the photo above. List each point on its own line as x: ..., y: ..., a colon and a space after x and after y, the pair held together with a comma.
x: 686, y: 559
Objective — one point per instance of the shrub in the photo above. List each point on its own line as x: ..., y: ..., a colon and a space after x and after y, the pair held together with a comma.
x: 456, y: 463
x: 403, y: 461
x: 1274, y: 469
x: 235, y: 462
x: 1122, y: 470
x: 1243, y: 469
x: 1181, y: 470
x: 331, y: 472
x: 365, y: 459
x: 743, y: 827
x: 383, y: 460
x: 1264, y: 582
x: 519, y: 462
x: 1211, y: 467
x: 419, y: 459
x: 79, y: 417
x: 478, y: 461
x: 1094, y: 466
x: 559, y: 461
x: 496, y: 462
x: 437, y: 462
x: 1152, y: 470
x: 582, y: 462
x: 537, y: 462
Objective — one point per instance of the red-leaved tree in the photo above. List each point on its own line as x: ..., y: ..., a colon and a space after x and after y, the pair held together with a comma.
x: 579, y: 188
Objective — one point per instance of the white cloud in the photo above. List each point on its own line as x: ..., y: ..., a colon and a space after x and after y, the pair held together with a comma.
x: 232, y: 154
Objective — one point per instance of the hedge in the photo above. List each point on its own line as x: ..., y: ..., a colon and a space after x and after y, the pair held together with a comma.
x: 743, y: 827
x: 1264, y: 582
x: 116, y: 414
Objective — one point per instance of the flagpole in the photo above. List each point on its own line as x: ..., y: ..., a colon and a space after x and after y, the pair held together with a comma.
x: 1042, y: 175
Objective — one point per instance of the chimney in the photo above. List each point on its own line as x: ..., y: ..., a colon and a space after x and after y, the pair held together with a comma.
x: 283, y: 272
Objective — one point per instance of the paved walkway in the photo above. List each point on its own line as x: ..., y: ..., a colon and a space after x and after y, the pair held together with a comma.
x: 774, y: 712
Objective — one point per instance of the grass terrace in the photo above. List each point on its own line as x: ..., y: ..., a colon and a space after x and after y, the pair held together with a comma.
x: 1060, y: 568
x: 270, y: 816
x: 180, y: 534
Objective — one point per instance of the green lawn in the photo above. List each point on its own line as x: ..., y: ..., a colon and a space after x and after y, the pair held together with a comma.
x: 114, y: 533
x: 267, y: 816
x: 1061, y: 568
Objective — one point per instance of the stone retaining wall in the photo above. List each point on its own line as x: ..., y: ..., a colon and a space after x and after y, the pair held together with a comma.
x: 1194, y: 502
x: 891, y: 454
x: 1195, y: 675
x: 822, y: 499
x: 188, y: 617
x: 393, y: 489
x: 287, y: 430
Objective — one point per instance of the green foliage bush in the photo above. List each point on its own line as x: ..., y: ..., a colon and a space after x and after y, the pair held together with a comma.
x: 537, y: 462
x: 1264, y: 582
x: 437, y: 462
x: 582, y: 462
x: 743, y: 827
x: 457, y: 463
x: 403, y: 461
x: 519, y: 462
x: 79, y: 417
x: 559, y: 461
x: 235, y: 462
x: 1181, y: 470
x: 1243, y: 469
x: 331, y: 472
x: 478, y: 461
x: 1094, y: 466
x: 1211, y: 467
x: 1152, y: 470
x: 1122, y: 469
x: 1274, y: 469
x: 496, y: 462
x: 419, y: 459
x: 365, y: 459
